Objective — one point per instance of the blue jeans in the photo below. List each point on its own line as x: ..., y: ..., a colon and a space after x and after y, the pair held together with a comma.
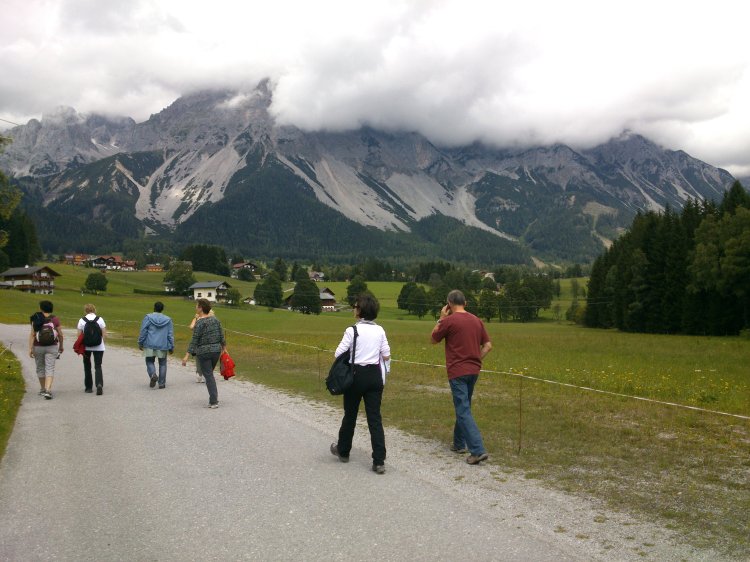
x: 151, y: 369
x: 465, y: 431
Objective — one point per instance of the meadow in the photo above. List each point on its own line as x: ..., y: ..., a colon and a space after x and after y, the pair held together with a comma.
x: 686, y: 468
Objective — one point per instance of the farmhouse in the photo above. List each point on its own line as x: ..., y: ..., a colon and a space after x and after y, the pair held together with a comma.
x: 75, y: 259
x: 236, y: 268
x: 214, y: 291
x: 106, y: 262
x: 39, y: 280
x: 327, y: 300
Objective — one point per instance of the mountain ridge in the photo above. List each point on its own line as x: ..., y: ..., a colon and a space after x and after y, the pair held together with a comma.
x: 555, y: 202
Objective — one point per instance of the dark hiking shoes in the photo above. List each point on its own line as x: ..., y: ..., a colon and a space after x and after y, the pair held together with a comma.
x: 335, y: 453
x: 476, y: 459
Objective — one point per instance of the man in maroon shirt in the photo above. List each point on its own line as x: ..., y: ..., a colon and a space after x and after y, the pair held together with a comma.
x: 466, y: 344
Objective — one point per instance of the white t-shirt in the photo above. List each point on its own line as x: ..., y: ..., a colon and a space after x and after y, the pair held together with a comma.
x: 102, y: 325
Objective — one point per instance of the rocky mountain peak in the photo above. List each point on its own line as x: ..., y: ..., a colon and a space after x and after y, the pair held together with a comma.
x: 220, y: 149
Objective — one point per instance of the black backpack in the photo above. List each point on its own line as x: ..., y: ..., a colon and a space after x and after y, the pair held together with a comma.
x: 92, y: 332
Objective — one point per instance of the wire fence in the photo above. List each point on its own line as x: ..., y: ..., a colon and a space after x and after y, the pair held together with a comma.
x: 510, y: 373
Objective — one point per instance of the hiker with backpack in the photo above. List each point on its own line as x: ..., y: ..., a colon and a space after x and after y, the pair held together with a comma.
x: 94, y: 332
x: 45, y: 346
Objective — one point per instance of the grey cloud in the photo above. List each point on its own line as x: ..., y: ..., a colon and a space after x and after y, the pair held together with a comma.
x: 501, y: 74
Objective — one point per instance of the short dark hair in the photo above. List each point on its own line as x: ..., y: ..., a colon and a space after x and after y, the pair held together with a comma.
x: 456, y: 297
x: 45, y: 306
x: 158, y: 306
x: 368, y: 306
x: 204, y: 305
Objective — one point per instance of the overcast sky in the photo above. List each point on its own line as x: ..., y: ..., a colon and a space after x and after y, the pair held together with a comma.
x: 506, y: 73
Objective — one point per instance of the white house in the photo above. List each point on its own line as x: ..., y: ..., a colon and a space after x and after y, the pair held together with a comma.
x: 40, y: 280
x: 214, y: 291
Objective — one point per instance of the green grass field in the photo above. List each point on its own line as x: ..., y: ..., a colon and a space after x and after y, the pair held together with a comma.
x: 688, y: 469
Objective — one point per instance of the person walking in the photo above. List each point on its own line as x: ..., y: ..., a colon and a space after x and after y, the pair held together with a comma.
x: 371, y: 363
x: 466, y: 344
x: 45, y: 346
x: 198, y: 375
x: 94, y: 332
x: 207, y: 345
x: 155, y: 341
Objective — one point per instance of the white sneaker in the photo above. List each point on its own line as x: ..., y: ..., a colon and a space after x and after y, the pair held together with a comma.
x: 199, y: 378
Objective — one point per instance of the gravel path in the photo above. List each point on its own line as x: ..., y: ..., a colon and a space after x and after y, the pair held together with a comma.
x: 149, y: 474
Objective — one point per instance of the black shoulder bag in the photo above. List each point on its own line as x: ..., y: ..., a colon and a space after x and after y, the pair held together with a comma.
x: 341, y: 375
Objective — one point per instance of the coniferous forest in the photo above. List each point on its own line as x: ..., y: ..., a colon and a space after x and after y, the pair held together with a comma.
x: 672, y: 272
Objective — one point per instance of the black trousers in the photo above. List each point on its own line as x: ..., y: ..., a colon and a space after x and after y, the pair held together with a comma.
x: 97, y: 369
x: 368, y: 385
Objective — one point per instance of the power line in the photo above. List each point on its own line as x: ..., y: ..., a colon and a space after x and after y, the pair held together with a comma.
x: 11, y: 122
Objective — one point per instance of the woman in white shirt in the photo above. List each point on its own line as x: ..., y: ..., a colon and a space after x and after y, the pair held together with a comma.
x: 94, y: 347
x: 371, y: 364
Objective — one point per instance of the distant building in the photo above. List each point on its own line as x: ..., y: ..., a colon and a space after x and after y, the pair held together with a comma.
x: 317, y: 276
x: 75, y: 259
x: 248, y: 265
x: 106, y: 262
x: 327, y: 300
x: 214, y: 291
x: 154, y: 267
x: 39, y: 280
x: 129, y: 265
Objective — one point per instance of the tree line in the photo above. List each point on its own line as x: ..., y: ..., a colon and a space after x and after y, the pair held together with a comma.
x: 673, y: 272
x: 520, y: 297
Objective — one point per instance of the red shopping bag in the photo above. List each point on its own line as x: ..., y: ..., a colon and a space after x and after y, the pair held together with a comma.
x: 226, y: 366
x: 78, y: 346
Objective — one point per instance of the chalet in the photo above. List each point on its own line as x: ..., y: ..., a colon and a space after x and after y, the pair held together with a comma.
x: 327, y: 300
x: 214, y: 291
x: 39, y: 280
x: 129, y: 265
x: 317, y: 276
x: 236, y: 268
x: 106, y: 262
x: 75, y: 259
x: 154, y: 267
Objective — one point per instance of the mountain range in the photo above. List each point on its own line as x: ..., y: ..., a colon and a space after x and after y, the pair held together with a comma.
x: 215, y: 167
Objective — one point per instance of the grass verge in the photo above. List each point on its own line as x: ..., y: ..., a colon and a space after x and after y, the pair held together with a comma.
x: 11, y: 393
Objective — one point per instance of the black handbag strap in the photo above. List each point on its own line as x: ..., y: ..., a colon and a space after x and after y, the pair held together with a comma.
x: 354, y: 347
